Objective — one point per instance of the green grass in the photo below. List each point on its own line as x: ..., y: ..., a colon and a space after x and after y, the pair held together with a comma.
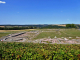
x: 72, y: 32
x: 30, y: 51
x: 62, y: 33
x: 3, y: 34
x: 6, y: 33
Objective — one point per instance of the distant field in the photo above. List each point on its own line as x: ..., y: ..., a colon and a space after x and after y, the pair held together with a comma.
x: 2, y: 26
x: 3, y: 34
x: 62, y: 33
x: 47, y: 33
x: 60, y: 25
x: 6, y: 32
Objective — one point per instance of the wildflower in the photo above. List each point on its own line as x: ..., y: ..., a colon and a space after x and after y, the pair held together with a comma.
x: 12, y: 54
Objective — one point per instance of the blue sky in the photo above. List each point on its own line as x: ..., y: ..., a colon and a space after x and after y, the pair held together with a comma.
x: 39, y: 11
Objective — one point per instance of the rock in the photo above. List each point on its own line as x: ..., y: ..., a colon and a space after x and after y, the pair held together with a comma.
x: 77, y: 37
x: 65, y: 38
x: 55, y: 37
x: 29, y: 41
x: 49, y: 37
x: 40, y: 41
x: 62, y: 37
x: 70, y: 37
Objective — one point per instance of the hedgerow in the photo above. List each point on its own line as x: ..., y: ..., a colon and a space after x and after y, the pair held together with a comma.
x: 31, y: 51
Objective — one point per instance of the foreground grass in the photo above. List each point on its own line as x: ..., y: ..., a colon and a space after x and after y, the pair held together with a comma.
x: 30, y: 51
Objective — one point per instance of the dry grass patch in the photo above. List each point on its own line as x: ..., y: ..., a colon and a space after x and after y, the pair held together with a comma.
x: 2, y: 26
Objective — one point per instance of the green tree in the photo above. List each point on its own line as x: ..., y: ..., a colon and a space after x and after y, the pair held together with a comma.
x: 73, y: 26
x: 70, y: 26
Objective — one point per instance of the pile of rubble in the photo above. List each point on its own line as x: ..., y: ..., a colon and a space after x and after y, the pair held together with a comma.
x: 57, y: 40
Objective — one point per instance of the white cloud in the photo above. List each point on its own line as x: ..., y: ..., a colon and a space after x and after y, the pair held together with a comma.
x: 2, y: 2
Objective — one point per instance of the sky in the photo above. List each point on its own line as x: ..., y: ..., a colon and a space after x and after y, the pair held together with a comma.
x: 39, y: 12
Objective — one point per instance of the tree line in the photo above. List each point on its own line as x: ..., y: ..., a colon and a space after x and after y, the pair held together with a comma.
x: 35, y: 27
x: 16, y: 28
x: 52, y: 26
x: 70, y: 26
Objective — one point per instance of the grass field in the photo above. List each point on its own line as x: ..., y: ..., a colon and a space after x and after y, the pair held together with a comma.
x: 62, y: 33
x: 47, y: 33
x: 6, y: 32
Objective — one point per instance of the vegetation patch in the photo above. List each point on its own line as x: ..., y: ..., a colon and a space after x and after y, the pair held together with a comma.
x: 30, y: 51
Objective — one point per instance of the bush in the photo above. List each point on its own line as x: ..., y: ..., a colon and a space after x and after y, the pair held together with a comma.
x: 32, y: 51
